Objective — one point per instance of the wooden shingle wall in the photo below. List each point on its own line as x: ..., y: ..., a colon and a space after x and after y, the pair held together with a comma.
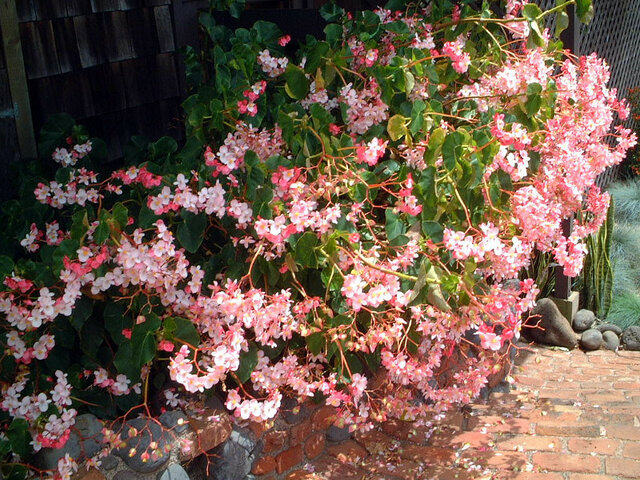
x: 111, y: 64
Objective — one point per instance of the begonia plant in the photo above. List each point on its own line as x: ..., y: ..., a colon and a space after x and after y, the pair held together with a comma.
x: 348, y: 221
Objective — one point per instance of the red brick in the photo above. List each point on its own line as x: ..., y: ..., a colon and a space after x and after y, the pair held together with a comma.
x: 530, y: 442
x: 474, y: 439
x: 495, y: 459
x: 623, y: 432
x: 623, y: 467
x: 568, y: 430
x: 427, y: 455
x: 530, y: 381
x: 495, y: 424
x: 347, y: 452
x: 314, y: 445
x: 589, y: 476
x: 374, y: 441
x: 537, y: 476
x: 264, y: 465
x: 289, y: 459
x: 631, y: 450
x: 597, y: 398
x: 324, y: 417
x: 564, y: 462
x: 300, y: 432
x: 600, y: 446
x: 302, y: 475
x: 274, y: 441
x: 627, y: 385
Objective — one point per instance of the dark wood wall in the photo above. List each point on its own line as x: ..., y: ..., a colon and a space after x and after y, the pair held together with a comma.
x: 9, y: 150
x: 111, y: 64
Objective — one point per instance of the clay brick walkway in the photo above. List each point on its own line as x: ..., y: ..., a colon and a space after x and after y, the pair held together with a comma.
x: 569, y: 416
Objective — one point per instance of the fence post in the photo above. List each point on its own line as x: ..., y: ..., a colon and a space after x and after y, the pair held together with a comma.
x: 570, y: 39
x: 17, y: 78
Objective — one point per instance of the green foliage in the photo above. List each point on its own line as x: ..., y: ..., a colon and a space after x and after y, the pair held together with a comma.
x: 597, y: 274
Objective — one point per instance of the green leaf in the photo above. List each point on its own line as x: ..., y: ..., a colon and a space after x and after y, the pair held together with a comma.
x: 115, y: 320
x: 182, y: 329
x: 333, y: 33
x: 531, y: 12
x: 6, y: 266
x: 80, y: 224
x: 19, y: 437
x: 584, y: 10
x: 304, y: 252
x: 433, y: 230
x: 120, y: 214
x: 102, y: 232
x: 562, y: 22
x: 190, y: 232
x: 397, y: 126
x: 53, y: 133
x: 452, y: 150
x: 248, y: 361
x: 331, y: 12
x: 316, y: 342
x: 393, y: 225
x: 81, y: 312
x: 268, y: 32
x: 435, y: 145
x: 397, y: 26
x: 297, y: 84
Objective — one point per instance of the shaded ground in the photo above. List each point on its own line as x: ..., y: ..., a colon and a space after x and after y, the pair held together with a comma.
x: 570, y: 416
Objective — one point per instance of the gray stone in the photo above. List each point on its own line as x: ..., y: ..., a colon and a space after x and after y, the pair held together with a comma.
x: 610, y: 340
x: 546, y: 325
x: 128, y: 475
x: 292, y: 411
x: 89, y: 428
x: 170, y: 420
x: 583, y: 319
x: 610, y: 327
x: 109, y: 462
x: 631, y: 338
x: 591, y: 339
x: 174, y: 472
x: 146, y: 431
x: 235, y: 456
x: 83, y: 442
x: 338, y: 434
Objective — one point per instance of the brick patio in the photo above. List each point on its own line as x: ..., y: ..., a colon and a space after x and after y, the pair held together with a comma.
x: 570, y: 416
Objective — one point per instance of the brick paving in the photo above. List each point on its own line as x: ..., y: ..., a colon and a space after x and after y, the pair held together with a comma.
x: 569, y: 416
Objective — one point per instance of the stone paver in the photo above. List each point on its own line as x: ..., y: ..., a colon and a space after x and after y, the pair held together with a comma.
x: 570, y: 416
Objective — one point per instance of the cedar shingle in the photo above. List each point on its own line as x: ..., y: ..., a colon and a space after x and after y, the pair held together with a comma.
x: 78, y: 7
x: 66, y: 44
x: 107, y: 88
x: 75, y: 94
x: 137, y: 74
x: 164, y: 27
x: 26, y: 10
x: 90, y: 37
x: 166, y: 77
x: 130, y: 4
x: 44, y: 99
x: 144, y: 40
x: 98, y: 6
x: 39, y: 49
x: 118, y: 37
